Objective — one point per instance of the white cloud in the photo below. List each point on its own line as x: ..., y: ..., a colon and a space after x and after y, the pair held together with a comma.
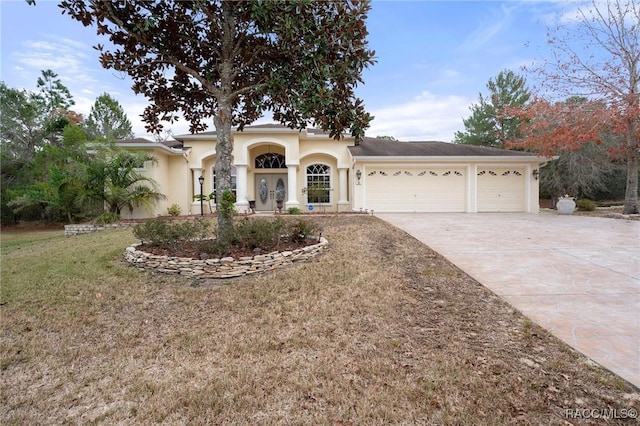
x: 426, y: 117
x: 488, y: 28
x: 65, y: 57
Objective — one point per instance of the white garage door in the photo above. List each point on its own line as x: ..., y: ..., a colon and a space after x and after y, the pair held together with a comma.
x: 501, y: 189
x: 403, y: 189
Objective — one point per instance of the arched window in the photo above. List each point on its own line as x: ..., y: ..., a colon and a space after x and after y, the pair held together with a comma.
x: 234, y: 173
x: 318, y: 184
x: 271, y: 160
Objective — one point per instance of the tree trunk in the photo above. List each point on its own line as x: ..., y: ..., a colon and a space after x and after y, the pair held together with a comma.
x: 222, y: 121
x: 631, y: 191
x: 222, y: 168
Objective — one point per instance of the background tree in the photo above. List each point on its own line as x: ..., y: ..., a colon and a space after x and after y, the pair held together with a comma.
x: 611, y: 76
x: 57, y: 100
x: 387, y: 138
x: 107, y: 120
x: 29, y: 121
x: 22, y: 123
x: 583, y: 173
x: 488, y: 124
x: 57, y: 191
x: 53, y: 92
x: 229, y: 61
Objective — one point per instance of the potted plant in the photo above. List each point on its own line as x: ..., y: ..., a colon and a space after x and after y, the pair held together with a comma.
x: 279, y: 200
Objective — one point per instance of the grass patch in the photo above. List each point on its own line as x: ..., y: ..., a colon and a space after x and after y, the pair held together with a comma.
x: 377, y: 330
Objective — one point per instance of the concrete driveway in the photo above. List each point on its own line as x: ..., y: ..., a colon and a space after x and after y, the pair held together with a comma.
x: 576, y: 276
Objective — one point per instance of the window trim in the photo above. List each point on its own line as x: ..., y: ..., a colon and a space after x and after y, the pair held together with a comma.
x: 329, y: 190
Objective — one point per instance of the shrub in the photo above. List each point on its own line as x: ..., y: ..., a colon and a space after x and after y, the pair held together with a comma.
x: 168, y: 233
x: 227, y: 207
x: 294, y: 210
x: 106, y: 218
x: 610, y: 203
x: 586, y: 205
x: 264, y: 234
x: 174, y: 210
x: 248, y: 233
x: 300, y: 230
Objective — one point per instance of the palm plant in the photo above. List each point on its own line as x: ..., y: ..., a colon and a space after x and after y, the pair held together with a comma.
x: 117, y: 181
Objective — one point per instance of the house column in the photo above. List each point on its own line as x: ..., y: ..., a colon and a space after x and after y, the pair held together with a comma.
x: 342, y: 181
x: 292, y: 187
x: 472, y: 189
x: 241, y: 188
x: 527, y: 189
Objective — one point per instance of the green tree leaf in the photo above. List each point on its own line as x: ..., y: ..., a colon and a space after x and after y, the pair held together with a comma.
x: 488, y: 125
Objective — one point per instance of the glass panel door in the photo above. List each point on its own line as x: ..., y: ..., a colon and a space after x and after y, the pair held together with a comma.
x: 269, y: 189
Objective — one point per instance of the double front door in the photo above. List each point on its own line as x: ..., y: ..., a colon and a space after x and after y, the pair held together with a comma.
x: 269, y: 189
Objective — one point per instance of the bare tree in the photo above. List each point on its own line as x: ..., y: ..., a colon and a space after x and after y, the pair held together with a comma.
x: 597, y: 55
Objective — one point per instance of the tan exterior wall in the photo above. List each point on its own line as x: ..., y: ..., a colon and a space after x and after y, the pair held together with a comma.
x: 177, y: 176
x: 299, y: 150
x: 169, y: 173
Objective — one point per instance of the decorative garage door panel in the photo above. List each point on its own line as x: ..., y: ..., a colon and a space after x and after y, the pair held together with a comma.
x: 416, y: 189
x: 501, y: 189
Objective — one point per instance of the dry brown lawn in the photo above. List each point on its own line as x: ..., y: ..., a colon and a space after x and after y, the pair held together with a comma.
x: 378, y: 330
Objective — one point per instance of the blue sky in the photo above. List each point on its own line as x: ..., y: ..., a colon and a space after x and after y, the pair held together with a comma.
x: 434, y: 58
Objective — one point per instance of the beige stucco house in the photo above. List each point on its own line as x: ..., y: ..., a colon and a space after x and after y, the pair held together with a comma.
x: 271, y: 161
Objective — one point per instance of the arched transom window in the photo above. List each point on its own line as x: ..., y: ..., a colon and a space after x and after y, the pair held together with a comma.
x: 318, y: 184
x: 271, y: 160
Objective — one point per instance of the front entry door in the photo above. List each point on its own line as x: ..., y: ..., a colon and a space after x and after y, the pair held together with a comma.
x: 270, y: 188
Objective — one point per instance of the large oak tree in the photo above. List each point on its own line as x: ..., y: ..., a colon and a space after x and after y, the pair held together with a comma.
x: 229, y: 61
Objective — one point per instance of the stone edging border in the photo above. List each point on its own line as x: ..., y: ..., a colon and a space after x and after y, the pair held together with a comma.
x: 226, y: 267
x: 79, y: 229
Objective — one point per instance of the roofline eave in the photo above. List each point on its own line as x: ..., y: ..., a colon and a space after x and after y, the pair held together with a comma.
x: 173, y: 151
x: 269, y: 130
x: 453, y: 158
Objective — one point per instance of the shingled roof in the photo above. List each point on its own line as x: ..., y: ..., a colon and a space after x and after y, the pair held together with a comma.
x: 253, y: 127
x: 374, y: 147
x: 142, y: 141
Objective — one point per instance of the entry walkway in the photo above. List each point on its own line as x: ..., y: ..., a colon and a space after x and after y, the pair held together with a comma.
x: 578, y: 277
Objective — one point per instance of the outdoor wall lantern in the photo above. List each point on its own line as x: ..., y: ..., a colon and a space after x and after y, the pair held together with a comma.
x: 536, y: 174
x: 358, y: 176
x: 201, y: 180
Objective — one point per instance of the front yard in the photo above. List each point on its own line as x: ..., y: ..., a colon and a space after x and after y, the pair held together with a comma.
x: 378, y: 330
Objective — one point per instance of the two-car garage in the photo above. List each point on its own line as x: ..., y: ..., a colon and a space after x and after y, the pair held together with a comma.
x: 445, y: 189
x: 443, y: 177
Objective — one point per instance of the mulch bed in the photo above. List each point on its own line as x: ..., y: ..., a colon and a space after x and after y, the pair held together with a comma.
x: 200, y: 249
